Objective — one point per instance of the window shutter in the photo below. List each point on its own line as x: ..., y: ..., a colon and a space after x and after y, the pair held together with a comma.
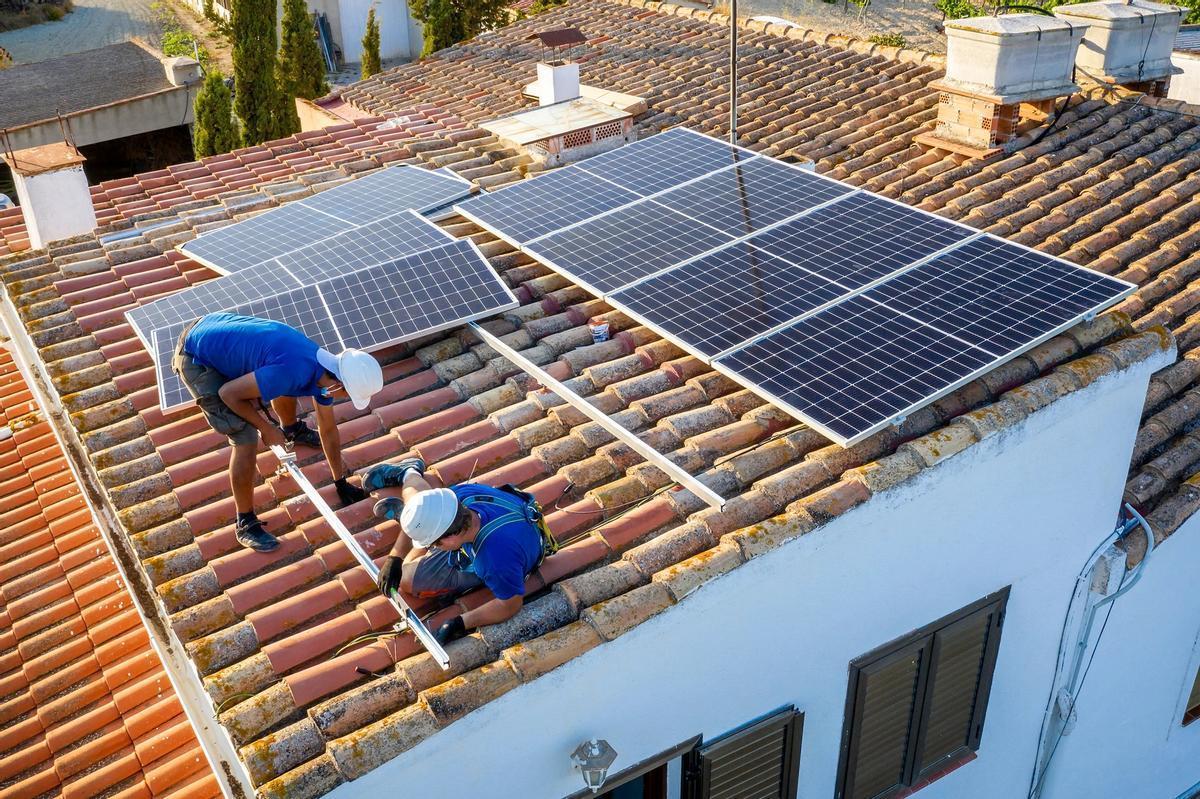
x: 761, y: 761
x: 1192, y: 711
x: 960, y: 653
x: 886, y: 700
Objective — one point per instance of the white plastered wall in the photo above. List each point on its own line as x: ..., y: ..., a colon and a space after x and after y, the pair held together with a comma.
x: 1024, y: 508
x: 1185, y: 86
x: 394, y: 23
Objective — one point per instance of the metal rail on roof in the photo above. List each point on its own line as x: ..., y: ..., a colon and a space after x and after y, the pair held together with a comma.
x: 408, y: 617
x: 648, y: 452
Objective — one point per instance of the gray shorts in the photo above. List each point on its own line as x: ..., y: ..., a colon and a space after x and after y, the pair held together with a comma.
x: 434, y: 575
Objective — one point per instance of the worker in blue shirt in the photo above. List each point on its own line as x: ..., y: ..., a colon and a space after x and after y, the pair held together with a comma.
x: 453, y: 540
x: 233, y: 365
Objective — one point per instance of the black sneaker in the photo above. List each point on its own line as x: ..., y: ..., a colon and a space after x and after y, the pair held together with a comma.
x: 300, y: 433
x: 253, y: 535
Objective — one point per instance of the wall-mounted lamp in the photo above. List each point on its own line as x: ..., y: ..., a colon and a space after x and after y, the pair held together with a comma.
x: 593, y: 758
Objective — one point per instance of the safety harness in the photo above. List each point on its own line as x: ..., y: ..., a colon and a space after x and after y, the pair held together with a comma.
x: 518, y: 506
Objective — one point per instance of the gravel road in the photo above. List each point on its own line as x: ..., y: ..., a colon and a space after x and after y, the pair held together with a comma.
x: 93, y: 23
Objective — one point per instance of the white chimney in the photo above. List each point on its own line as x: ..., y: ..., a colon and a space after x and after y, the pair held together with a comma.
x: 557, y: 82
x: 1126, y: 42
x: 53, y: 192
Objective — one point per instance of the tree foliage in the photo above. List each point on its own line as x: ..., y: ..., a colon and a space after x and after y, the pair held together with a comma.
x: 370, y: 47
x: 284, y: 119
x: 214, y: 131
x: 448, y: 22
x: 301, y: 69
x: 254, y: 47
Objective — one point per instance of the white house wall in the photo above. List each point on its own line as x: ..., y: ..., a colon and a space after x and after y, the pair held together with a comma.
x: 1132, y: 702
x: 1023, y: 508
x: 1186, y: 85
x: 393, y: 17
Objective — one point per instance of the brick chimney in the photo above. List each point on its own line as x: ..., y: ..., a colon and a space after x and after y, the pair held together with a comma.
x: 52, y: 192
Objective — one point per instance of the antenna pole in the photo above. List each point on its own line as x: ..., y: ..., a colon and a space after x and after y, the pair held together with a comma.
x: 733, y: 72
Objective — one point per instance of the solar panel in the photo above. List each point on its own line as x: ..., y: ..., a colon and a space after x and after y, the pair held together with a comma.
x: 374, y: 243
x: 369, y: 308
x: 851, y: 369
x: 663, y: 161
x: 998, y: 296
x: 752, y: 195
x: 721, y: 300
x: 541, y: 205
x: 298, y: 224
x: 614, y: 250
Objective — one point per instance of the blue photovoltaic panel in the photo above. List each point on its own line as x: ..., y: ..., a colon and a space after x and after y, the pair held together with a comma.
x: 663, y: 161
x: 751, y: 196
x: 299, y: 224
x: 616, y: 249
x: 860, y: 238
x: 171, y: 390
x: 721, y: 300
x: 544, y: 204
x: 852, y: 368
x: 997, y: 295
x: 302, y: 308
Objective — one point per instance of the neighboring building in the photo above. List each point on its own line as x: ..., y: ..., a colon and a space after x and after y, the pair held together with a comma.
x: 124, y: 106
x: 1186, y: 85
x: 898, y: 616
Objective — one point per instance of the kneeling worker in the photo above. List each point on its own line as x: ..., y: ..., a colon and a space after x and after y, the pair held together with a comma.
x: 466, y: 536
x: 232, y: 365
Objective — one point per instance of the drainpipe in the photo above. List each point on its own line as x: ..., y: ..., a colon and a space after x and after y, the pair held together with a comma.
x: 1103, y: 579
x: 214, y: 740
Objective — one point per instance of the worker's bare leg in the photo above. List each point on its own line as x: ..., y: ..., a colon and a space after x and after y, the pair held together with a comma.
x: 243, y: 467
x: 285, y: 409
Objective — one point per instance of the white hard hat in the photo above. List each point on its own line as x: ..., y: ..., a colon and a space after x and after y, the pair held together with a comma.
x: 428, y: 515
x: 360, y: 374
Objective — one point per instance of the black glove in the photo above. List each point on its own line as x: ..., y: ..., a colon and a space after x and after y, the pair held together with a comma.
x: 389, y: 575
x: 347, y: 493
x: 450, y: 631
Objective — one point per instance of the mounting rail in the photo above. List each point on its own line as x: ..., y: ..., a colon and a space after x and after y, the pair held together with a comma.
x: 599, y: 417
x: 409, y: 620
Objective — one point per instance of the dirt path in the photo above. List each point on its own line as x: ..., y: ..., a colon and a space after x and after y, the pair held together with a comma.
x: 916, y: 20
x: 93, y: 23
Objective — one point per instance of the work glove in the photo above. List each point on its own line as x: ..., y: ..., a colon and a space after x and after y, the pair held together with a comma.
x: 450, y: 631
x: 389, y: 575
x: 347, y: 493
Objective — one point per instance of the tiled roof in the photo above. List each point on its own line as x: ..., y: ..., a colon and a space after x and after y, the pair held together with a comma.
x: 85, y: 707
x: 1111, y: 187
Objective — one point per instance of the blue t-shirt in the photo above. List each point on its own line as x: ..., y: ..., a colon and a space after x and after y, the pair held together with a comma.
x: 283, y: 360
x: 510, y: 552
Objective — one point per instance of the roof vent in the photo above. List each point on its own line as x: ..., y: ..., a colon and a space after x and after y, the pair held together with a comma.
x: 1127, y: 43
x: 52, y: 191
x: 993, y: 66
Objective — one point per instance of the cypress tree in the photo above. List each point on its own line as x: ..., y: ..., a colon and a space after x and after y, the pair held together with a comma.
x: 301, y: 71
x: 254, y: 46
x: 370, y: 45
x: 285, y: 120
x: 214, y: 131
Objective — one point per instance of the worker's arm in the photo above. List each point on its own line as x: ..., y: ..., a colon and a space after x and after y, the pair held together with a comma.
x: 493, y: 611
x: 239, y: 394
x: 331, y: 440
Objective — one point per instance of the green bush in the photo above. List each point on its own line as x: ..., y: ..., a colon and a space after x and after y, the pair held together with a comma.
x: 958, y: 9
x: 54, y: 13
x: 888, y: 39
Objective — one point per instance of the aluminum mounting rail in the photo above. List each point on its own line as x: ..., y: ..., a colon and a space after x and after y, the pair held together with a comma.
x: 409, y: 620
x: 648, y: 452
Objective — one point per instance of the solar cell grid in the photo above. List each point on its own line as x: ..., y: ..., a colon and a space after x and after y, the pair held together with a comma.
x: 374, y: 243
x: 997, y: 295
x: 860, y: 238
x: 388, y: 191
x: 663, y: 161
x: 260, y: 238
x: 171, y: 390
x: 752, y: 195
x: 721, y: 300
x: 614, y: 250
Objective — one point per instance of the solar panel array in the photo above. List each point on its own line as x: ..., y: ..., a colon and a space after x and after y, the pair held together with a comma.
x: 296, y: 225
x: 847, y: 309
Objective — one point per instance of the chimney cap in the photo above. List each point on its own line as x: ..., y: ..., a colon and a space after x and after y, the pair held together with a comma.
x: 562, y: 37
x: 44, y: 158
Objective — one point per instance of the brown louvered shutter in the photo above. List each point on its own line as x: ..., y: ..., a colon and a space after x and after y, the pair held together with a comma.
x: 953, y: 712
x: 761, y: 761
x: 1193, y: 706
x: 886, y: 698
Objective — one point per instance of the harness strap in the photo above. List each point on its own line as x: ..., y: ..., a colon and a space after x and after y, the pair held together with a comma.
x: 518, y: 510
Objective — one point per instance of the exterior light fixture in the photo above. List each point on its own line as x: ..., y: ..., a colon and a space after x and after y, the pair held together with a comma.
x: 593, y: 758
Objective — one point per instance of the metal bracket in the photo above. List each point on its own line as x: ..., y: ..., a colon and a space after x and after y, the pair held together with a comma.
x: 898, y: 420
x: 648, y: 452
x: 409, y: 620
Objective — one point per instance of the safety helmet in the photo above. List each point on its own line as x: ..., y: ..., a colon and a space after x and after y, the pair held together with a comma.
x: 427, y: 516
x: 360, y: 374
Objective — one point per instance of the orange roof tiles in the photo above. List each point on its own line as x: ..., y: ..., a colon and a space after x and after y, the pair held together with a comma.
x: 85, y: 707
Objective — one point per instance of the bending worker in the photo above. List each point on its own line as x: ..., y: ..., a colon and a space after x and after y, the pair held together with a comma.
x: 453, y: 540
x: 232, y: 365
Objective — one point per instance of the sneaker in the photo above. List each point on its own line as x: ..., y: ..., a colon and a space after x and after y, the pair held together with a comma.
x: 300, y: 433
x: 385, y: 475
x: 389, y: 508
x: 253, y: 535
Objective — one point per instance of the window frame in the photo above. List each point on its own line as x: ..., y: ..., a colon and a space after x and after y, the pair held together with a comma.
x: 925, y: 641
